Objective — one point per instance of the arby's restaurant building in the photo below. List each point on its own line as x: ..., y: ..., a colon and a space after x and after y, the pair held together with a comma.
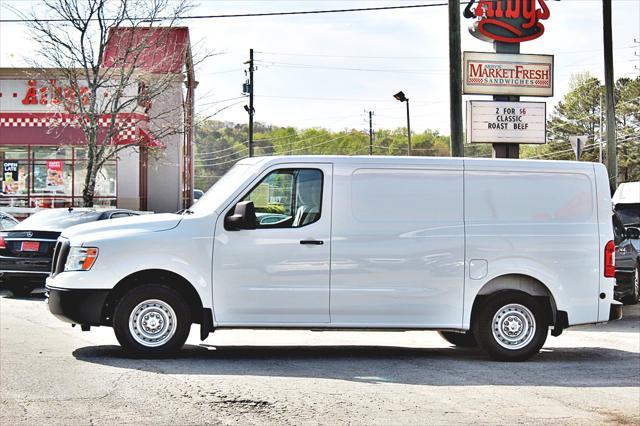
x: 43, y: 156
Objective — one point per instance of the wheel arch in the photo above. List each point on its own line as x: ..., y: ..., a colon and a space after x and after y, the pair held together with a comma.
x: 525, y: 284
x: 160, y: 276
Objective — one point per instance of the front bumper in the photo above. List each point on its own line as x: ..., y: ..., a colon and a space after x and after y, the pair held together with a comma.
x: 25, y: 264
x: 34, y: 279
x: 615, y: 311
x: 77, y: 306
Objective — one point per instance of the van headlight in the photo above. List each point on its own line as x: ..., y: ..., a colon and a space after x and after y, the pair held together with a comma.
x: 81, y: 258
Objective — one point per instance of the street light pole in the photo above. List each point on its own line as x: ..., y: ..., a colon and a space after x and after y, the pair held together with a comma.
x: 400, y: 96
x: 409, y: 129
x: 370, y: 132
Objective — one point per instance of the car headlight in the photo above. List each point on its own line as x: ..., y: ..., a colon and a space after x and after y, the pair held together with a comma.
x: 81, y: 258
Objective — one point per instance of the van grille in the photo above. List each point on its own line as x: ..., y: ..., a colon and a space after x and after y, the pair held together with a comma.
x: 60, y: 254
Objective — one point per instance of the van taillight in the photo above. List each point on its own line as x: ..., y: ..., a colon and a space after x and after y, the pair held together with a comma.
x: 610, y: 260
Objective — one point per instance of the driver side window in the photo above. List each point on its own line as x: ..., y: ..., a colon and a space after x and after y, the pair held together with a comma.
x: 287, y: 198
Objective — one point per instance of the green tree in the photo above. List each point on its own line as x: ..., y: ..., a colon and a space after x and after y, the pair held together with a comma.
x: 579, y: 114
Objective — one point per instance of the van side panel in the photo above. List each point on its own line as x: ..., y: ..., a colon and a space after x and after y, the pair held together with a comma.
x: 539, y: 221
x: 397, y: 255
x: 605, y: 228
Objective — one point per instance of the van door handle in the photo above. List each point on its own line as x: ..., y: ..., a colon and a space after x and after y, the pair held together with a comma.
x: 312, y: 242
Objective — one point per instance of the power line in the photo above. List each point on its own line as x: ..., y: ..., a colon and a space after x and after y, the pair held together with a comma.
x: 338, y: 99
x: 244, y: 15
x: 220, y: 101
x: 586, y: 147
x: 225, y: 162
x: 220, y: 150
x: 319, y: 55
x: 202, y: 161
x: 326, y: 67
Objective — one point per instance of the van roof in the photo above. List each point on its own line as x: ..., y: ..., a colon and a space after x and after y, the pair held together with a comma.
x: 491, y: 163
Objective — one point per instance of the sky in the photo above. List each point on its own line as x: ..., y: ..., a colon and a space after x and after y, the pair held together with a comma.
x: 329, y: 70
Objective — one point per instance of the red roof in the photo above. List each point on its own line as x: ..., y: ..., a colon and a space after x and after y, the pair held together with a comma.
x: 154, y: 49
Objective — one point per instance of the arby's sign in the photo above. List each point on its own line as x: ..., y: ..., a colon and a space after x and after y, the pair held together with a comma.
x: 508, y: 21
x: 50, y: 92
x: 58, y: 95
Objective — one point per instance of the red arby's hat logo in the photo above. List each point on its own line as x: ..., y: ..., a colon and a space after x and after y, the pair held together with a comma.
x: 509, y: 21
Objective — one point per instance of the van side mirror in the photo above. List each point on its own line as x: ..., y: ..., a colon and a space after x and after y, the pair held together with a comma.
x: 633, y: 233
x: 243, y: 217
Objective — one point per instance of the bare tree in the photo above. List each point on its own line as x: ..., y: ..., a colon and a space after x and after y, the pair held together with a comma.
x: 109, y: 86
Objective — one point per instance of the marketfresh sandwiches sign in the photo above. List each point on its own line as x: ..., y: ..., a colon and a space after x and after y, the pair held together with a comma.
x: 506, y: 122
x: 507, y: 74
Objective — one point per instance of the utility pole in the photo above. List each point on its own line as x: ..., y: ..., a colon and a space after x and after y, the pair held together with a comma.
x: 637, y: 67
x: 600, y: 141
x: 250, y: 109
x: 612, y: 164
x: 455, y: 81
x: 370, y: 132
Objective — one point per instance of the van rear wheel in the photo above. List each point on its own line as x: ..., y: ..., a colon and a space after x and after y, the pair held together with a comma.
x: 152, y: 320
x: 511, y: 326
x: 461, y: 340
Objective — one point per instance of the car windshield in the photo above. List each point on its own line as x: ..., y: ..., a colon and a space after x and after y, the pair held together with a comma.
x: 222, y: 189
x: 57, y: 219
x: 629, y: 214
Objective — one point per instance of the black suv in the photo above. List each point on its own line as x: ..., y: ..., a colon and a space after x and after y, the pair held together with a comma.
x: 26, y: 251
x: 627, y: 241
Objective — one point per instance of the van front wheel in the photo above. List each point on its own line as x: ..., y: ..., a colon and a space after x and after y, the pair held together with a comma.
x: 511, y: 326
x: 152, y: 320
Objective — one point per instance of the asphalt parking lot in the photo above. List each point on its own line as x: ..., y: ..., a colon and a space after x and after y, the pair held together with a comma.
x: 52, y: 373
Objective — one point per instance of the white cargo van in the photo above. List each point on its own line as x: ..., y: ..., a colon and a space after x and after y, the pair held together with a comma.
x: 492, y: 253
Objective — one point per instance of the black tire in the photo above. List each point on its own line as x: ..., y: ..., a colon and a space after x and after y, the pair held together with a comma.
x: 525, y: 313
x: 177, y: 317
x: 19, y: 290
x: 461, y: 340
x: 634, y: 297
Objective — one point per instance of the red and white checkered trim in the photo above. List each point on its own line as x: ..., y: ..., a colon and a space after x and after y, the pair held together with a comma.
x: 127, y: 123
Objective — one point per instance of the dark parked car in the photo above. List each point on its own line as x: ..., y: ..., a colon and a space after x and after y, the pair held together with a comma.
x: 629, y: 214
x: 627, y: 261
x: 26, y: 250
x: 7, y: 221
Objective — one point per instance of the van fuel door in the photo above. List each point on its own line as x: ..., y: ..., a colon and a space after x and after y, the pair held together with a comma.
x: 478, y: 269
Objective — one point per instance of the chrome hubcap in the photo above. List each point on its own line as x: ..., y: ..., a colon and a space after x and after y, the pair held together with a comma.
x: 513, y: 326
x: 152, y: 323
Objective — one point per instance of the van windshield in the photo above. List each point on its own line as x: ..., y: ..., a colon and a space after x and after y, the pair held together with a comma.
x: 222, y: 189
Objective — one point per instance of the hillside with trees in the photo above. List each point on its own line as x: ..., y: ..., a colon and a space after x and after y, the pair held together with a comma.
x: 218, y: 144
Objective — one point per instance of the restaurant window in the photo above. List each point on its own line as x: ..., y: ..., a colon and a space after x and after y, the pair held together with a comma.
x: 51, y: 176
x: 52, y: 152
x: 14, y: 178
